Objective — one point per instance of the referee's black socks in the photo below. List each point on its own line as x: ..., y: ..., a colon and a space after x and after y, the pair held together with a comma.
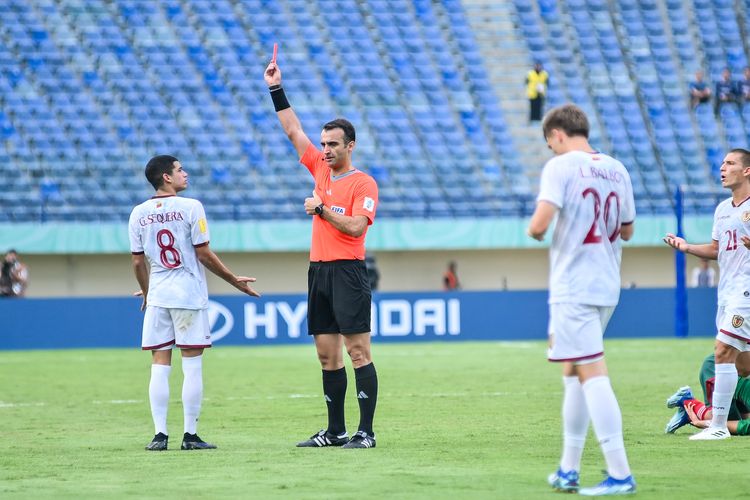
x: 334, y: 391
x: 367, y: 395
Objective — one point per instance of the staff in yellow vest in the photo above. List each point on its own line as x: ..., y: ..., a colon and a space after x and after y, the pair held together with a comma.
x: 536, y: 89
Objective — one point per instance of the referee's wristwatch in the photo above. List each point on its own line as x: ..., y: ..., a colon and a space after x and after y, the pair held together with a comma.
x: 319, y: 209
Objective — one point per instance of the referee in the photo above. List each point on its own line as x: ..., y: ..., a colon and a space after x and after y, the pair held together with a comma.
x: 342, y: 207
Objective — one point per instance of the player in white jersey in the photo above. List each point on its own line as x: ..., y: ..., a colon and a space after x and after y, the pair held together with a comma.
x: 730, y: 241
x: 169, y: 242
x: 592, y: 196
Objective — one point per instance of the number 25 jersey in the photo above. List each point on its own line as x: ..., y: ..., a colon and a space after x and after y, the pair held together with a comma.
x: 731, y: 223
x: 167, y: 229
x: 595, y: 198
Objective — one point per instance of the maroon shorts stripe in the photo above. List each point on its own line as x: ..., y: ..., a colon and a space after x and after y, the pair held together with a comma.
x: 184, y: 346
x: 152, y: 347
x: 734, y: 336
x: 581, y: 358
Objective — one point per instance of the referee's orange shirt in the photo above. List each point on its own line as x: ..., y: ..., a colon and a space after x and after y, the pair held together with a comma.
x: 352, y: 193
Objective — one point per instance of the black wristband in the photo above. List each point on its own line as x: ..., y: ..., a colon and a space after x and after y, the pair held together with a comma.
x: 278, y: 96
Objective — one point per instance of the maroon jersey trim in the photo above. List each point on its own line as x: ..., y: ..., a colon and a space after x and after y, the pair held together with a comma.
x: 152, y: 347
x: 734, y: 335
x: 581, y: 358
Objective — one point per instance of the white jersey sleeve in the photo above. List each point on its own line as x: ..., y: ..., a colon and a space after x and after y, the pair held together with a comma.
x: 595, y: 197
x: 552, y: 185
x: 136, y: 245
x: 167, y: 230
x: 199, y: 225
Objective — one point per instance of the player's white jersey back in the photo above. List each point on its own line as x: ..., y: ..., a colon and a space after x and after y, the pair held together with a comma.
x: 167, y: 229
x: 731, y: 223
x: 595, y: 197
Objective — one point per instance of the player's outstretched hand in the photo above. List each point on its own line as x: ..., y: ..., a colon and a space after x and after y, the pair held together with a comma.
x: 694, y: 420
x: 675, y: 242
x: 242, y: 285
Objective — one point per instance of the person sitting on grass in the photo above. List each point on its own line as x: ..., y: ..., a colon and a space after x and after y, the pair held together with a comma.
x: 698, y: 413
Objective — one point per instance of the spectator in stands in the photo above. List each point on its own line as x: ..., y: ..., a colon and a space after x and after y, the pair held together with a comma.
x: 700, y: 92
x: 744, y: 86
x: 726, y: 90
x: 14, y: 276
x: 703, y: 275
x: 373, y: 275
x: 450, y: 277
x: 536, y: 89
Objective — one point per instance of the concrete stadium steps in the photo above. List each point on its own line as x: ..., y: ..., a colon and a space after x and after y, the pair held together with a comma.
x: 508, y: 60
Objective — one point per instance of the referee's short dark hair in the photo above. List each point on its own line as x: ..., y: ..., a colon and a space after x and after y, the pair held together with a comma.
x: 345, y: 125
x: 569, y: 118
x: 157, y: 167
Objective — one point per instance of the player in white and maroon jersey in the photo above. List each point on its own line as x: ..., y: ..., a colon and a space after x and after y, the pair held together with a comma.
x: 730, y: 243
x: 592, y: 196
x: 169, y: 242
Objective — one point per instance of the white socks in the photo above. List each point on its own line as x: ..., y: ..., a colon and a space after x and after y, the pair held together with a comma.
x: 607, y: 419
x: 575, y: 417
x: 192, y: 391
x: 158, y: 395
x: 724, y: 386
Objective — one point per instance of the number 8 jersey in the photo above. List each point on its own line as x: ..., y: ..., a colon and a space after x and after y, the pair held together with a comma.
x: 595, y: 198
x: 167, y: 229
x: 731, y: 223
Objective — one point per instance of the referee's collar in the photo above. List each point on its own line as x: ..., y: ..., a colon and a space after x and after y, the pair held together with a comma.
x: 345, y: 174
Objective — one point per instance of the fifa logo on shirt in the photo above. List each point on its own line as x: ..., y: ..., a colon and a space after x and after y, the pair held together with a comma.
x: 369, y: 204
x: 737, y: 321
x: 338, y: 210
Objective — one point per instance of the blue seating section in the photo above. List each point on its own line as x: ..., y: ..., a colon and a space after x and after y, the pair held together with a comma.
x: 91, y: 90
x: 635, y: 68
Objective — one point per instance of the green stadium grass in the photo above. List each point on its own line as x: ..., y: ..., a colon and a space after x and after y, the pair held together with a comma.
x: 454, y: 420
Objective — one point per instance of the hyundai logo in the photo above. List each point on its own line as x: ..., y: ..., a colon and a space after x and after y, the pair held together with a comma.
x: 220, y: 320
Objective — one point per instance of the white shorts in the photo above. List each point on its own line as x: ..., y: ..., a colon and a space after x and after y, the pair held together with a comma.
x: 183, y: 328
x: 576, y: 332
x: 734, y: 329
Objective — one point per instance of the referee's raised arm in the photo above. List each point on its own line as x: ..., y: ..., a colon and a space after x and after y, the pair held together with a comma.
x: 287, y: 116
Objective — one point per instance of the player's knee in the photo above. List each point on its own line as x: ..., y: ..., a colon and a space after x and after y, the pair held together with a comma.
x: 743, y: 364
x: 725, y: 353
x: 359, y: 355
x: 329, y: 361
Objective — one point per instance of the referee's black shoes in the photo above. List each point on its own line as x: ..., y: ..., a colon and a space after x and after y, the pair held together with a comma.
x: 361, y: 440
x: 159, y: 443
x: 324, y: 438
x: 193, y: 442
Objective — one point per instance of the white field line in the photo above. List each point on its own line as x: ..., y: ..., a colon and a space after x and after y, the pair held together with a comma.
x: 5, y: 404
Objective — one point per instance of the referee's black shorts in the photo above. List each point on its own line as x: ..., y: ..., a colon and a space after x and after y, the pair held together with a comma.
x: 338, y: 297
